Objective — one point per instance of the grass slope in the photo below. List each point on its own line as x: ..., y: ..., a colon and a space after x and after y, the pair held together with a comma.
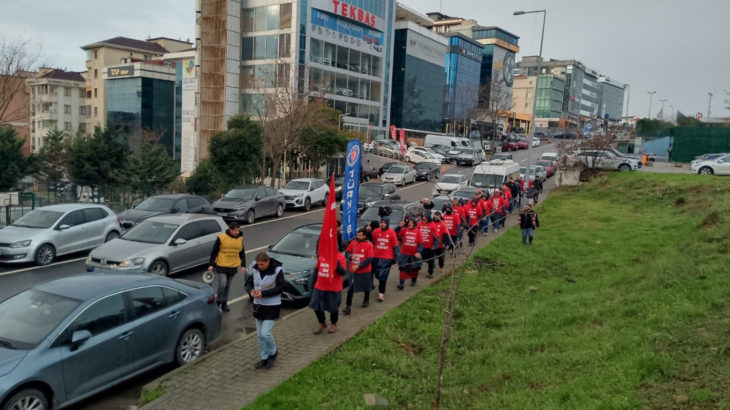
x: 622, y: 302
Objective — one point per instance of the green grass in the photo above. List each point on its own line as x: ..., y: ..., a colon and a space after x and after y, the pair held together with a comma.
x: 148, y: 396
x: 631, y: 310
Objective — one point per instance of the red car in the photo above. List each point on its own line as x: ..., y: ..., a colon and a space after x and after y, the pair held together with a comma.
x: 509, y: 146
x: 548, y: 165
x: 522, y: 143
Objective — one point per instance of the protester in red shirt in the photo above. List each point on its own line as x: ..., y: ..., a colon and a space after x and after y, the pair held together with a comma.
x: 430, y: 241
x: 360, y: 257
x: 442, y: 233
x: 473, y: 217
x: 386, y: 250
x: 409, y: 262
x: 453, y: 226
x: 327, y: 292
x: 499, y: 208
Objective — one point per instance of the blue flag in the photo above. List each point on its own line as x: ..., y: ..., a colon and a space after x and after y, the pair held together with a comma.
x: 350, y: 190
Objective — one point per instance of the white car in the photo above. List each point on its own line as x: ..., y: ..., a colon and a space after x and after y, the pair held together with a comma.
x: 535, y: 170
x: 435, y: 154
x: 450, y: 183
x: 603, y: 159
x: 399, y: 175
x: 717, y: 166
x: 303, y: 192
x: 550, y: 156
x: 417, y: 155
x: 535, y: 142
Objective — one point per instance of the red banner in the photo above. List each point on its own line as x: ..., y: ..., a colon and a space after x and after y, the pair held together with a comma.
x: 393, y: 132
x: 403, y: 141
x: 327, y: 248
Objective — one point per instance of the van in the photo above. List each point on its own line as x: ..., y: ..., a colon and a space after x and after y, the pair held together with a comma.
x: 447, y: 140
x: 491, y: 175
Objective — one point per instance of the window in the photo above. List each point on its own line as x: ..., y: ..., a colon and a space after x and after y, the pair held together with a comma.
x: 67, y: 126
x: 343, y: 54
x: 315, y: 50
x: 259, y: 19
x: 82, y: 93
x: 189, y: 232
x: 285, y: 16
x: 354, y: 61
x: 73, y: 218
x: 94, y: 214
x: 67, y: 108
x: 96, y: 111
x: 66, y: 91
x: 210, y: 227
x: 103, y: 315
x: 181, y: 206
x: 96, y: 54
x: 82, y: 127
x: 247, y: 19
x: 330, y: 54
x: 284, y: 45
x: 375, y: 67
x: 272, y: 46
x: 148, y: 300
x: 247, y: 48
x: 259, y: 48
x: 96, y: 92
x: 96, y: 73
x: 272, y: 17
x: 82, y: 110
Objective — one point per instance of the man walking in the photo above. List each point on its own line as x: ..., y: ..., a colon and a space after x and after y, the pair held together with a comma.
x: 360, y: 256
x: 528, y: 223
x: 226, y: 258
x: 264, y: 287
x: 386, y: 252
x: 327, y: 291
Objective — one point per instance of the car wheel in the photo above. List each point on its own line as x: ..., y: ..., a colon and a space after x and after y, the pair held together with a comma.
x: 111, y: 235
x: 307, y: 204
x: 27, y: 399
x: 279, y: 210
x: 190, y: 346
x: 45, y: 254
x: 158, y: 268
x: 706, y: 171
x: 327, y: 195
x: 624, y: 167
x: 407, y: 159
x: 250, y: 216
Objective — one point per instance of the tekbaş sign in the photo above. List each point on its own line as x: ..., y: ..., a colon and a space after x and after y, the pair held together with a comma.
x: 351, y: 12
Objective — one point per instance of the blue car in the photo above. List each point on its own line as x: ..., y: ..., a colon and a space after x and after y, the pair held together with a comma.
x: 67, y: 339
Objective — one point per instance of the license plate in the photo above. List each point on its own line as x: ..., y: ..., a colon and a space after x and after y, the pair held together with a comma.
x: 222, y: 214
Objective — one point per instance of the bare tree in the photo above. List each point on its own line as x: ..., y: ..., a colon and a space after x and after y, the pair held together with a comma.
x: 495, y: 102
x: 464, y: 103
x: 17, y: 58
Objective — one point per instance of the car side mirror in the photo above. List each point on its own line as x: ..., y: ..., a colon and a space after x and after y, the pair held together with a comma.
x: 134, y: 205
x: 386, y: 196
x: 78, y: 338
x: 174, y: 210
x: 258, y: 198
x: 63, y: 227
x: 270, y: 246
x: 180, y: 241
x: 127, y: 225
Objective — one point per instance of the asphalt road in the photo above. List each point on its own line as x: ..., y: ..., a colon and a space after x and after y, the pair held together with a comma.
x: 257, y: 237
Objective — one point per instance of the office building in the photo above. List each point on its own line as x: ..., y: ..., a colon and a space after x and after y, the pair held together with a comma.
x: 610, y: 99
x: 57, y: 102
x: 549, y: 108
x: 462, y: 78
x: 418, y: 74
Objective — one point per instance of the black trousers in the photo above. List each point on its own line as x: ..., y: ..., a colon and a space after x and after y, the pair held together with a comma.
x: 428, y: 257
x: 321, y: 318
x: 350, y: 293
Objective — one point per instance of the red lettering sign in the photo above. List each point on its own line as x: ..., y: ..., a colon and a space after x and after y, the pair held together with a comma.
x: 335, y: 3
x: 343, y: 9
x: 353, y: 12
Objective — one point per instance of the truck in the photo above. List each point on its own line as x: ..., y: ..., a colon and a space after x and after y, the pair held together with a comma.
x: 491, y: 175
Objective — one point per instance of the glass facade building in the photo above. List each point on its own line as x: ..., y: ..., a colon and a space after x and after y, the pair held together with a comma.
x: 550, y: 90
x: 135, y: 104
x: 611, y: 99
x: 418, y: 78
x: 462, y: 68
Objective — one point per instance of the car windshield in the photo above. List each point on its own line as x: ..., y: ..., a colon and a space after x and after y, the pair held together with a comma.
x: 397, y: 169
x: 487, y: 180
x: 28, y: 317
x: 150, y: 232
x: 523, y: 171
x: 370, y: 190
x: 467, y: 151
x: 371, y: 214
x: 245, y: 194
x: 464, y: 193
x: 440, y: 201
x: 156, y: 204
x: 423, y: 166
x: 301, y: 242
x: 38, y: 219
x: 450, y: 179
x: 544, y: 163
x: 297, y: 185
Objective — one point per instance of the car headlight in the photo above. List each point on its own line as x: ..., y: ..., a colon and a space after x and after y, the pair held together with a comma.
x: 20, y: 244
x: 369, y: 204
x: 131, y: 262
x: 299, y: 195
x: 239, y: 211
x: 301, y: 277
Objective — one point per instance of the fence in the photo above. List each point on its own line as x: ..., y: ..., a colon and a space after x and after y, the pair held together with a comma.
x: 690, y: 142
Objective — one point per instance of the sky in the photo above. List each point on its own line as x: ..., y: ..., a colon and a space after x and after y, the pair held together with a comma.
x: 678, y: 48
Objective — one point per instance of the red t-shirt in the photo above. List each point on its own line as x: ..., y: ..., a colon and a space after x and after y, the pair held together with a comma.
x: 439, y: 229
x: 452, y: 223
x: 411, y: 240
x: 327, y: 278
x: 359, y: 251
x: 473, y: 212
x: 385, y: 241
x: 425, y: 229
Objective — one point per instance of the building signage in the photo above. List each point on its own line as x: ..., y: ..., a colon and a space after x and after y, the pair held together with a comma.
x: 123, y: 71
x: 351, y: 12
x: 343, y: 32
x: 187, y: 138
x: 426, y: 49
x: 466, y: 53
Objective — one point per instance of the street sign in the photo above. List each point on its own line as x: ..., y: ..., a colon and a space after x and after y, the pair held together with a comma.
x: 588, y: 127
x: 699, y: 116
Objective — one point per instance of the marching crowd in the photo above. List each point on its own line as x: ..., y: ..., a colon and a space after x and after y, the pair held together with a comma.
x: 370, y: 255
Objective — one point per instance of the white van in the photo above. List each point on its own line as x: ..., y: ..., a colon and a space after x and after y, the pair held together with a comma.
x: 446, y: 140
x: 491, y: 175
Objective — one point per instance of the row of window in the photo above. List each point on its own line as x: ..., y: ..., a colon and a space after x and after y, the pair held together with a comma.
x: 266, y: 47
x: 328, y: 82
x: 46, y: 89
x: 274, y: 17
x: 495, y: 33
x: 369, y: 112
x: 265, y: 76
x: 333, y: 55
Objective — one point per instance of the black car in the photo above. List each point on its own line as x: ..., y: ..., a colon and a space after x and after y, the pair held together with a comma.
x: 371, y: 192
x: 368, y: 170
x: 339, y: 182
x: 165, y: 204
x: 247, y: 203
x: 400, y: 211
x: 465, y: 193
x: 427, y: 171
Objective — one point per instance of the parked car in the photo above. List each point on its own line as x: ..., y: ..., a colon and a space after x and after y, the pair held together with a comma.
x: 550, y: 156
x: 50, y: 231
x: 717, y: 166
x: 565, y: 135
x: 386, y: 166
x: 165, y: 204
x: 399, y: 175
x: 442, y: 150
x: 386, y: 149
x: 368, y: 171
x: 303, y: 192
x: 548, y: 165
x: 450, y: 183
x: 417, y: 156
x: 371, y: 192
x: 468, y: 156
x: 249, y: 202
x: 465, y: 193
x: 67, y: 339
x: 535, y: 141
x: 438, y: 156
x: 400, y: 211
x: 502, y: 156
x: 522, y: 143
x: 427, y: 171
x: 536, y: 171
x: 439, y: 201
x: 602, y: 159
x: 509, y: 146
x: 339, y: 182
x: 162, y: 245
x: 297, y: 252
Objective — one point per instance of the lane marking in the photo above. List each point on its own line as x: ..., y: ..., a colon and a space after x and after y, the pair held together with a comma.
x: 41, y: 267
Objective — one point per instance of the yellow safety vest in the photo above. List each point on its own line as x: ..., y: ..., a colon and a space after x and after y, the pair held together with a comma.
x: 228, y: 252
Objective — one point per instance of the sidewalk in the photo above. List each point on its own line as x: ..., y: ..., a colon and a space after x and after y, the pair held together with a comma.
x: 666, y: 168
x: 225, y: 378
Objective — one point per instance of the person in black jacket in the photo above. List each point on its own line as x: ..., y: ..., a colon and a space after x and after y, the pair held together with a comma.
x: 528, y: 222
x: 265, y: 286
x: 227, y: 256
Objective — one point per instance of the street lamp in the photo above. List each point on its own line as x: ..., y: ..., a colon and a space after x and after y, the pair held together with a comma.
x: 534, y: 101
x: 651, y: 96
x: 339, y: 120
x: 628, y: 97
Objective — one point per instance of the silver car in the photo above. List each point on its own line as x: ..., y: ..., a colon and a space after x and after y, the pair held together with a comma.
x: 65, y: 340
x: 161, y: 245
x: 399, y: 175
x: 50, y: 231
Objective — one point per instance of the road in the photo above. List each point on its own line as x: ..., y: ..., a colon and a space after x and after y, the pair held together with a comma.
x: 257, y: 237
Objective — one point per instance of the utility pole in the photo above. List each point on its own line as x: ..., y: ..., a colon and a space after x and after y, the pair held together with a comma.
x: 672, y: 107
x: 628, y: 97
x: 651, y: 96
x: 709, y: 104
x: 662, y: 109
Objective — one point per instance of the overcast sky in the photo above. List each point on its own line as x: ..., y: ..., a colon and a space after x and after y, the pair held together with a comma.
x: 678, y: 48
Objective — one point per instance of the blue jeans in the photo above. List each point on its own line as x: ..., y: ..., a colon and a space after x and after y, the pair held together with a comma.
x: 527, y: 232
x: 266, y: 339
x: 484, y: 225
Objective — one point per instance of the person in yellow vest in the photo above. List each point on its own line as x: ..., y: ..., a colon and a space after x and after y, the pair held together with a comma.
x: 227, y: 257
